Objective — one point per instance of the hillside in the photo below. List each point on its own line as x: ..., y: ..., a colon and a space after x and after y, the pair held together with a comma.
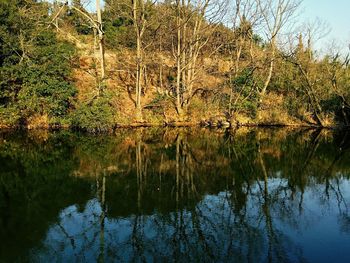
x: 75, y: 69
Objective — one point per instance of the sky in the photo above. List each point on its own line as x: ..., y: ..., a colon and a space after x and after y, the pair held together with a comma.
x: 336, y: 13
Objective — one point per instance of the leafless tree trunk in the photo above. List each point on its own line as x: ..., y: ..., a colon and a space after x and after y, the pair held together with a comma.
x: 141, y: 23
x: 97, y: 25
x: 139, y: 26
x: 178, y: 60
x: 195, y: 22
x: 160, y: 87
x: 337, y: 69
x: 309, y: 88
x: 276, y: 15
x: 302, y: 58
x: 245, y: 18
x: 101, y: 44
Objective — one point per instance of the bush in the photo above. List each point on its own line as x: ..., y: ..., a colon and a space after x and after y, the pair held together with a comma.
x: 94, y: 117
x: 37, y: 81
x: 9, y: 116
x: 292, y: 105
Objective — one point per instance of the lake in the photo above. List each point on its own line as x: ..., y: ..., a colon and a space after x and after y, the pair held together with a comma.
x: 175, y: 195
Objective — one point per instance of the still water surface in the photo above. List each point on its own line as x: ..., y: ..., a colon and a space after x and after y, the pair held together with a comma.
x: 177, y: 195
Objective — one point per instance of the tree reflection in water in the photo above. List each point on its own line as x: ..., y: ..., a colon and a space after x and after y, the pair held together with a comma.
x: 178, y: 195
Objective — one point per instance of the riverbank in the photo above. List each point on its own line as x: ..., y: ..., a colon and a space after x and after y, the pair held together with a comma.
x: 211, y: 124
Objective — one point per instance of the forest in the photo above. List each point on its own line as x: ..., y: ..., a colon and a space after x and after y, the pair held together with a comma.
x: 95, y: 66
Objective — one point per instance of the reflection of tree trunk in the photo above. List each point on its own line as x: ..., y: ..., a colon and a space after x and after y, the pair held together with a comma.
x: 342, y: 148
x: 177, y: 169
x: 196, y: 223
x: 136, y: 239
x: 141, y: 171
x: 68, y: 237
x: 184, y: 169
x: 345, y: 116
x: 160, y: 172
x: 270, y: 231
x: 329, y: 174
x: 266, y: 209
x: 300, y: 180
x: 102, y: 194
x: 301, y: 202
x: 312, y: 150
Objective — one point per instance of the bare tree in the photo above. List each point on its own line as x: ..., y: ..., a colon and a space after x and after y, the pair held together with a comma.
x: 139, y: 13
x: 245, y: 18
x: 276, y: 15
x: 195, y: 23
x: 139, y: 22
x: 337, y: 68
x: 97, y: 25
x: 99, y: 29
x: 303, y: 58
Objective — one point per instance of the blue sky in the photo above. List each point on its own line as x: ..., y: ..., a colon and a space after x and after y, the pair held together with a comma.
x: 335, y: 13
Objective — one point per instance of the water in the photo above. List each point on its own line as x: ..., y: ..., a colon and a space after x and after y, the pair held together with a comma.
x: 177, y: 195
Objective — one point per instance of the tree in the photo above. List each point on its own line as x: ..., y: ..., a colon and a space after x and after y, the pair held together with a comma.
x: 75, y: 18
x: 99, y: 28
x: 195, y: 24
x: 138, y: 14
x: 337, y: 73
x: 35, y: 67
x: 312, y: 71
x: 139, y: 8
x: 276, y: 15
x: 241, y: 47
x: 97, y: 25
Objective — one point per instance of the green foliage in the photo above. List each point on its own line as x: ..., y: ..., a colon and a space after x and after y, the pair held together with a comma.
x: 118, y: 26
x: 34, y: 67
x: 332, y: 104
x: 248, y: 107
x: 159, y: 99
x: 292, y: 105
x: 94, y: 117
x: 244, y: 79
x: 46, y: 88
x: 9, y: 116
x: 118, y: 32
x: 76, y: 19
x: 244, y: 88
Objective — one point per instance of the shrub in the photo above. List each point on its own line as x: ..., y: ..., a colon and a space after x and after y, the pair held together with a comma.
x: 36, y: 81
x: 94, y: 117
x: 9, y: 116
